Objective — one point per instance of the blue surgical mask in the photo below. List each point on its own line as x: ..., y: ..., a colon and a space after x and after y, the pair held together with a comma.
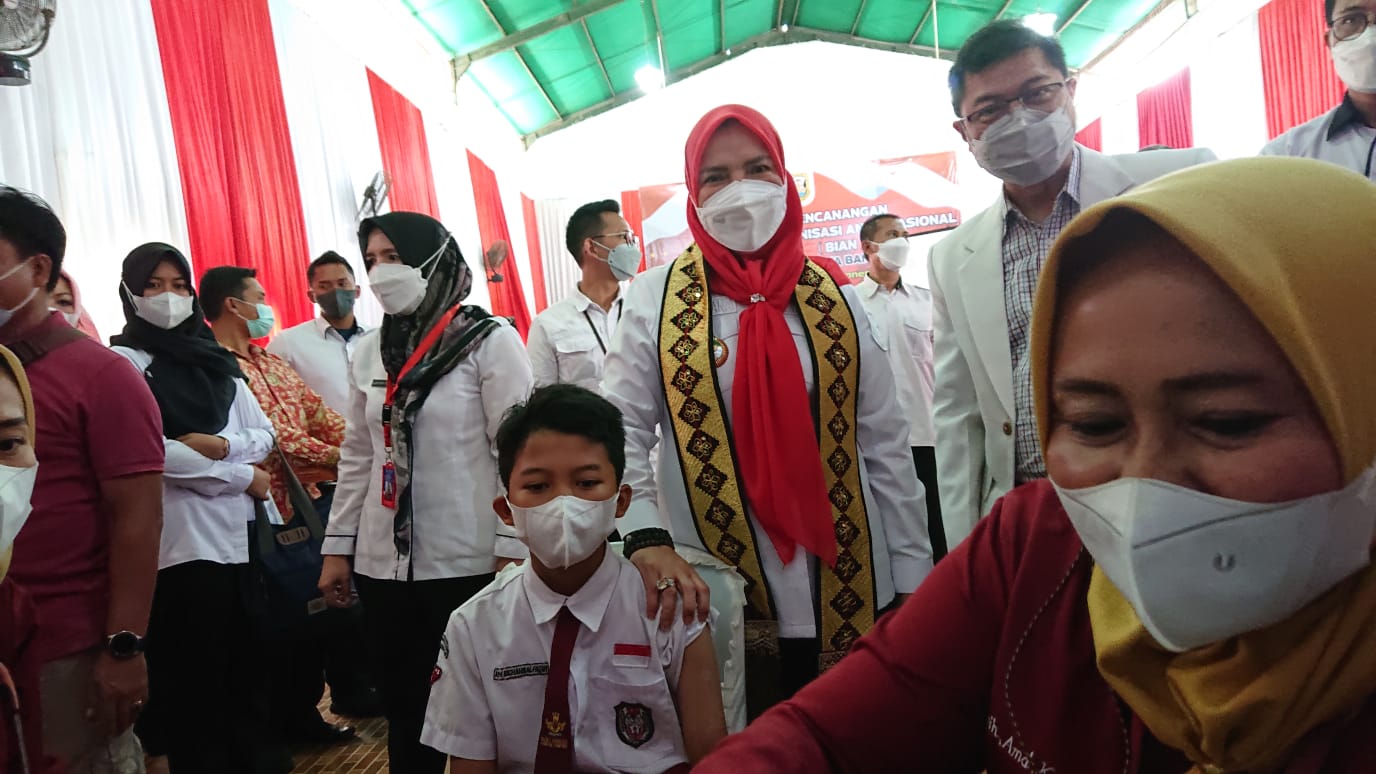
x: 262, y: 326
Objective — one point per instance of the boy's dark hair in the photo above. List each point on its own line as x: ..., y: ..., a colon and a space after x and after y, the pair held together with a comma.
x: 220, y: 283
x: 871, y: 226
x: 28, y: 223
x: 585, y: 222
x: 327, y: 258
x: 567, y: 409
x: 1328, y: 6
x: 994, y: 43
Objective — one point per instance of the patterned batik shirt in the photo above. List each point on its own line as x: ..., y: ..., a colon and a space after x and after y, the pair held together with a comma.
x: 308, y: 431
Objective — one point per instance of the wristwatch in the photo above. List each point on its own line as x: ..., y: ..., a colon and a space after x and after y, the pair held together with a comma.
x: 124, y: 644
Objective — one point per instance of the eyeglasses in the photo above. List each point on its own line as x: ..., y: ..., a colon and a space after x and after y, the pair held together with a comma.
x: 1035, y: 98
x: 1350, y: 25
x: 627, y: 237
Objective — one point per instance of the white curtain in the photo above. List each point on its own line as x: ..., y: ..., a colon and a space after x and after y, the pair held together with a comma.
x: 561, y: 272
x: 1227, y: 95
x: 333, y: 138
x: 93, y: 136
x: 1120, y: 127
x: 454, y: 189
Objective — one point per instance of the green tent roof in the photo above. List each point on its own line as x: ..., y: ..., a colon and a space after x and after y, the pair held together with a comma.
x: 547, y: 64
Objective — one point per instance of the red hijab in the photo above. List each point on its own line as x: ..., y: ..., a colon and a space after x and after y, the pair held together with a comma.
x: 775, y: 434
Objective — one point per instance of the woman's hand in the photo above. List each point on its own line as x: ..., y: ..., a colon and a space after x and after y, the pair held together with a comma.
x: 667, y: 577
x: 335, y: 576
x: 261, y: 488
x: 209, y: 446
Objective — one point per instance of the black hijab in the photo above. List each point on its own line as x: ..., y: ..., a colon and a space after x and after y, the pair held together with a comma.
x: 418, y: 238
x: 192, y: 376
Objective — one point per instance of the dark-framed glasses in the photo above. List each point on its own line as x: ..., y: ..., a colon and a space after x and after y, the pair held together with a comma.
x: 1352, y: 24
x: 1041, y: 97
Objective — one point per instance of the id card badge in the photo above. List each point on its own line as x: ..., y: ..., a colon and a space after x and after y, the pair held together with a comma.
x: 389, y: 485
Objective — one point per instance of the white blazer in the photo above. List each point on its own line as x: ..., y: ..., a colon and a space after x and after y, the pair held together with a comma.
x: 973, y: 401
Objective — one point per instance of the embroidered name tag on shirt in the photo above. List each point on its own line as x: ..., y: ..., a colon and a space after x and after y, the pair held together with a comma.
x: 379, y: 382
x: 520, y: 670
x: 625, y: 654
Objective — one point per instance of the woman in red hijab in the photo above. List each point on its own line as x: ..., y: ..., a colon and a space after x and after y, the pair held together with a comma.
x: 786, y: 456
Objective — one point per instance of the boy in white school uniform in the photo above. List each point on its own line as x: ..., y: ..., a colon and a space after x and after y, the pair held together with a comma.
x: 554, y: 666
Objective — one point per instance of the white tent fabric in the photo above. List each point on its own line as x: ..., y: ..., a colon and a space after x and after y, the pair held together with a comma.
x: 561, y: 272
x: 93, y: 136
x: 334, y: 138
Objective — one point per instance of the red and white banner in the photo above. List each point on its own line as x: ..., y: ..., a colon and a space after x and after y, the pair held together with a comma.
x: 919, y: 189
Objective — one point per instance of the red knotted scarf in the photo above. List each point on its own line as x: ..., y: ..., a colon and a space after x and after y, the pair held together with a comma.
x: 775, y: 437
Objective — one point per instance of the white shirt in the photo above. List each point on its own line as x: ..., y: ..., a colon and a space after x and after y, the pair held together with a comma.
x: 319, y: 353
x: 902, y: 320
x: 489, y: 690
x: 1339, y: 136
x: 454, y: 531
x: 568, y: 341
x: 900, y: 548
x: 205, y: 502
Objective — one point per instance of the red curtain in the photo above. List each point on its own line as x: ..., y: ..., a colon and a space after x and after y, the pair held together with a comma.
x: 229, y: 124
x: 635, y: 217
x: 537, y: 263
x: 1296, y: 70
x: 405, y: 154
x: 1163, y: 113
x: 1092, y: 136
x: 508, y: 300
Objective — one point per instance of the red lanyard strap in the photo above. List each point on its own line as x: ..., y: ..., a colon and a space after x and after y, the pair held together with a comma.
x: 426, y: 344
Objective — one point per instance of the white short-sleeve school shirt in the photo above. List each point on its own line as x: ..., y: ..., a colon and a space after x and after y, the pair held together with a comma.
x: 488, y: 690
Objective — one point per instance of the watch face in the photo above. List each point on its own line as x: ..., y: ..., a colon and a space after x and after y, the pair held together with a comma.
x: 124, y: 644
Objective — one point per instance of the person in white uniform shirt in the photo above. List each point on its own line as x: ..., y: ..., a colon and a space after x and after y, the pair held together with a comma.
x: 417, y: 474
x: 1345, y: 135
x: 785, y: 453
x: 215, y: 434
x: 319, y: 349
x: 552, y: 668
x: 902, y: 317
x: 569, y: 340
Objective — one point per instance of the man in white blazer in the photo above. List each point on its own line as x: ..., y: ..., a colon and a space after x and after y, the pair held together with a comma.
x: 1015, y: 100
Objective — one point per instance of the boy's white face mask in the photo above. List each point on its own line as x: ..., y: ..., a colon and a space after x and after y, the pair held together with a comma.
x: 565, y: 530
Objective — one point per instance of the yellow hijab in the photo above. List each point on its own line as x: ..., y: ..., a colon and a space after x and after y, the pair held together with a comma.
x: 10, y: 362
x: 1295, y: 239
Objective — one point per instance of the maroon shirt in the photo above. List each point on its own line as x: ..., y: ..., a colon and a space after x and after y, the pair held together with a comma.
x: 989, y: 666
x: 97, y: 420
x: 17, y: 632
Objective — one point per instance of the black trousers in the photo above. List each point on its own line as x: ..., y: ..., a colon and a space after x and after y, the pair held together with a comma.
x: 203, y: 672
x: 924, y: 458
x: 405, y: 620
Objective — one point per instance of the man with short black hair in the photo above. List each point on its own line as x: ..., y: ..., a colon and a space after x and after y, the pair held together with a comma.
x: 1014, y: 101
x: 309, y: 433
x: 320, y: 349
x: 88, y: 554
x: 1345, y: 135
x: 901, y: 315
x: 569, y: 340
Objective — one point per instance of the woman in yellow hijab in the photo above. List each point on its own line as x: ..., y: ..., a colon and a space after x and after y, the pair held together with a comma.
x: 18, y: 666
x: 1192, y: 589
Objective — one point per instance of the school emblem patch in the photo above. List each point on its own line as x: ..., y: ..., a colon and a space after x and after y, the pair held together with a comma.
x: 634, y: 724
